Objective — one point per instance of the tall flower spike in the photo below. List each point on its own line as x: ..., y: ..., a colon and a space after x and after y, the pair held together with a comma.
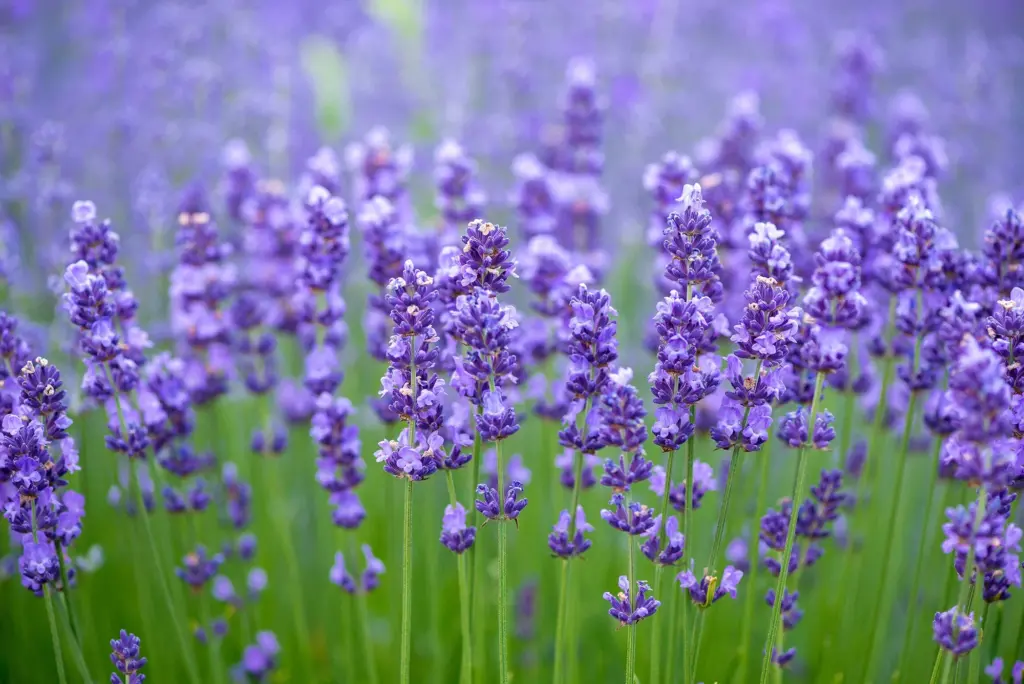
x: 560, y: 543
x: 690, y: 241
x: 125, y: 657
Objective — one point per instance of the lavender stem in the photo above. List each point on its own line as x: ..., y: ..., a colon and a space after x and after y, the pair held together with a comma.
x: 798, y: 486
x: 502, y: 575
x: 466, y: 667
x: 406, y: 585
x: 879, y: 617
x: 687, y: 513
x: 922, y: 549
x: 746, y: 631
x: 631, y: 638
x: 54, y: 636
x: 655, y: 632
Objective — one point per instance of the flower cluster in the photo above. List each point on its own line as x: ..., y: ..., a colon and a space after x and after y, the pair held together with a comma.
x: 368, y: 580
x: 200, y: 284
x: 628, y: 608
x: 125, y: 657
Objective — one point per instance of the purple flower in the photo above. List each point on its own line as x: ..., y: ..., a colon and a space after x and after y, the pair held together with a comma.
x: 485, y: 262
x: 454, y: 532
x: 198, y: 568
x: 634, y: 519
x: 791, y: 614
x: 667, y: 548
x: 995, y: 671
x: 38, y: 565
x: 690, y: 241
x: 260, y: 659
x: 629, y: 609
x: 497, y: 421
x: 767, y: 326
x: 834, y: 297
x: 559, y: 540
x: 125, y: 657
x: 404, y: 461
x: 459, y: 196
x: 955, y: 632
x: 492, y: 509
x: 340, y: 576
x: 710, y: 589
x: 793, y: 429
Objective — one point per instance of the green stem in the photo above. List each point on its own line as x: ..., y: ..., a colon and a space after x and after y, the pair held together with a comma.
x: 798, y: 487
x: 164, y: 587
x: 698, y: 638
x: 503, y: 663
x: 466, y: 667
x: 631, y: 592
x: 406, y: 585
x: 993, y: 644
x: 364, y: 619
x: 975, y: 657
x: 966, y: 585
x: 76, y: 647
x: 656, y: 636
x: 934, y: 679
x: 563, y: 600
x: 922, y: 550
x: 64, y: 594
x: 213, y: 642
x: 687, y: 514
x: 880, y: 616
x: 58, y: 655
x: 746, y: 631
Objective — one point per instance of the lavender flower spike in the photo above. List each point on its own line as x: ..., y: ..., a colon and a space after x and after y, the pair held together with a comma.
x: 629, y: 609
x: 454, y: 533
x: 560, y: 543
x: 125, y: 657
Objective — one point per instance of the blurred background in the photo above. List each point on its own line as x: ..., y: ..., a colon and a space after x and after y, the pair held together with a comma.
x: 127, y: 103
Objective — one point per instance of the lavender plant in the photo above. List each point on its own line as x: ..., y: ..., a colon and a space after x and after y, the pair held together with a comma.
x: 820, y: 278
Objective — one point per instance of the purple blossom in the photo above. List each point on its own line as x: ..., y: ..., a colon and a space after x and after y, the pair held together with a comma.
x: 793, y: 429
x: 629, y: 609
x: 664, y: 547
x: 634, y: 519
x: 955, y: 632
x: 710, y: 589
x: 260, y: 659
x: 125, y: 657
x: 559, y: 540
x: 454, y: 533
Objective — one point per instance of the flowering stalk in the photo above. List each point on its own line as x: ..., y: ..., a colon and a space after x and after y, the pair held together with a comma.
x: 466, y: 667
x: 754, y: 563
x: 798, y: 487
x: 503, y: 663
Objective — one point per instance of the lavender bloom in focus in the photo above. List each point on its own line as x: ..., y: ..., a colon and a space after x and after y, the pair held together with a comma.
x: 955, y: 632
x: 629, y: 609
x: 710, y: 589
x: 125, y: 657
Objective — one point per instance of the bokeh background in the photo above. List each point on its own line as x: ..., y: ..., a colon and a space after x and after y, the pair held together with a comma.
x: 126, y: 103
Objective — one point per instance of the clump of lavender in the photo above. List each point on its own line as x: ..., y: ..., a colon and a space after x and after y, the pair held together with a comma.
x: 36, y: 456
x: 200, y: 284
x: 125, y: 657
x: 995, y: 671
x: 814, y: 520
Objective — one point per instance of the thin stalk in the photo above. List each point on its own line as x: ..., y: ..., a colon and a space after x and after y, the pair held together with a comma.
x: 76, y: 649
x: 466, y: 667
x: 934, y: 679
x: 631, y: 638
x: 798, y: 487
x: 975, y: 657
x: 58, y: 655
x: 879, y: 617
x: 966, y: 586
x: 746, y: 631
x: 656, y: 636
x: 503, y: 663
x: 698, y: 638
x: 993, y: 643
x: 687, y: 514
x: 406, y: 585
x: 561, y: 627
x: 213, y: 645
x: 364, y: 619
x: 186, y: 649
x: 64, y: 594
x: 476, y: 557
x: 922, y: 549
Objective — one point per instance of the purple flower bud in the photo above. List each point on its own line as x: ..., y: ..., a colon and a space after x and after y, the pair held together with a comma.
x: 629, y: 609
x: 125, y: 657
x: 454, y: 532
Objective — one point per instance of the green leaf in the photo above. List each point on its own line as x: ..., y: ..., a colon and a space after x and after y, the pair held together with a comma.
x: 325, y: 67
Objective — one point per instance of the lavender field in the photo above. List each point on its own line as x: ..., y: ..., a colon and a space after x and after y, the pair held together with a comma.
x: 430, y: 341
